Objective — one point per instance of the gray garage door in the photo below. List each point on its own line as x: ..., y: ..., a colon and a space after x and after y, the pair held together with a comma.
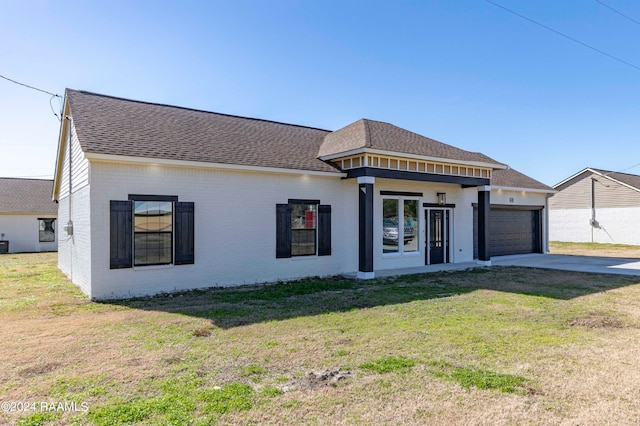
x: 511, y: 231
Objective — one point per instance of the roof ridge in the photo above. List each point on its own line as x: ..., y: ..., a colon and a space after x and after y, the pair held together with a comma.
x: 86, y: 92
x: 367, y: 133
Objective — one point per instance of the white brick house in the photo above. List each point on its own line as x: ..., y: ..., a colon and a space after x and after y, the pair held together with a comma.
x: 27, y: 216
x: 158, y: 198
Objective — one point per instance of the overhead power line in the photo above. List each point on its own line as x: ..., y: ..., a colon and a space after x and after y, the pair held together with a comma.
x: 588, y: 46
x: 30, y: 87
x: 618, y: 12
x: 53, y: 95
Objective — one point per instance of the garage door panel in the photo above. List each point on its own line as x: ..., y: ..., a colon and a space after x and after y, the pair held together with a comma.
x: 511, y: 231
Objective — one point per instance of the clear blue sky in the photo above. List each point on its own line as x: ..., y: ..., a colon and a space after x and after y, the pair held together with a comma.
x: 464, y: 72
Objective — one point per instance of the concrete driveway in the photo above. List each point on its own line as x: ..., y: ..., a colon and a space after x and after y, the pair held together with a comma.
x: 601, y: 265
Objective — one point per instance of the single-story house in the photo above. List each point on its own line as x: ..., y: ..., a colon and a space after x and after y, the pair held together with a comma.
x: 598, y: 206
x: 27, y: 216
x: 158, y: 198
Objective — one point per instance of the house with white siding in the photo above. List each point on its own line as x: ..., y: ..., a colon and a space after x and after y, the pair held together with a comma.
x: 27, y: 216
x: 158, y: 198
x: 596, y: 206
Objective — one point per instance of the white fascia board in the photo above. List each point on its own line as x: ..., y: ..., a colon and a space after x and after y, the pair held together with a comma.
x: 62, y: 141
x: 511, y: 188
x: 604, y: 175
x: 596, y: 172
x: 413, y: 156
x: 110, y: 158
x: 573, y: 177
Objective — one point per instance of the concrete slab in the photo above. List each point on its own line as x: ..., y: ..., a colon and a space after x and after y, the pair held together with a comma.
x: 600, y: 265
x: 593, y: 264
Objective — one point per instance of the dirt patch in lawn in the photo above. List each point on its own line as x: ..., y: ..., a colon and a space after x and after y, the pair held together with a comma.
x: 597, y: 320
x: 318, y: 379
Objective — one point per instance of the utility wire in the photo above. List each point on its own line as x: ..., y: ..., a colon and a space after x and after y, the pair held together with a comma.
x: 53, y: 95
x: 618, y: 12
x: 595, y: 49
x: 30, y: 87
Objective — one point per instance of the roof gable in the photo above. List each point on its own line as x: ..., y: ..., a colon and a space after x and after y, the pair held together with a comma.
x: 626, y: 179
x: 26, y: 196
x: 378, y: 135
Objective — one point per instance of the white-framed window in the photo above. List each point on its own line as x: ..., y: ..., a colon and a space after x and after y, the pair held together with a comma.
x: 400, y: 225
x: 46, y: 230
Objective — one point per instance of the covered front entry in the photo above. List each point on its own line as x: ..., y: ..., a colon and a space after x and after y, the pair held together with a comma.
x: 438, y: 236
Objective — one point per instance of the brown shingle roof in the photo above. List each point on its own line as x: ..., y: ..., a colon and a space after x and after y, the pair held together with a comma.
x: 384, y: 136
x: 629, y: 179
x: 26, y: 196
x: 514, y: 179
x: 109, y: 125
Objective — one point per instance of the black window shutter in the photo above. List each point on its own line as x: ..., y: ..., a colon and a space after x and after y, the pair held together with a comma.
x: 184, y: 232
x: 121, y: 234
x: 324, y: 230
x: 283, y: 230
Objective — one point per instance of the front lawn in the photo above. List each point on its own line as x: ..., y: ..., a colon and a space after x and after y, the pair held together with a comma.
x: 482, y: 346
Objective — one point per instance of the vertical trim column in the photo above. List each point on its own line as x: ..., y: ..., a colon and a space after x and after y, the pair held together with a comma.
x: 365, y: 227
x: 484, y: 211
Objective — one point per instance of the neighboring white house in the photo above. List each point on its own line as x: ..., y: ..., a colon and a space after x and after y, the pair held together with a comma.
x: 596, y: 206
x: 27, y: 216
x: 159, y: 198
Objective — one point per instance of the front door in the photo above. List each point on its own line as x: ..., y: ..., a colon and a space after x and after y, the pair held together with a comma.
x: 438, y: 241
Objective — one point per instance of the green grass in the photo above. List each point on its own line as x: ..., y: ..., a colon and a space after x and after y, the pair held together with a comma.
x: 388, y: 365
x: 242, y: 355
x: 478, y: 378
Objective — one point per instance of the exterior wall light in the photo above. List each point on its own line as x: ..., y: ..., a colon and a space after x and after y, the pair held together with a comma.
x: 442, y: 198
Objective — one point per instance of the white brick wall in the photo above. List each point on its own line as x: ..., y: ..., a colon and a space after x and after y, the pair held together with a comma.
x: 234, y: 226
x: 74, y: 252
x: 22, y: 232
x: 616, y: 225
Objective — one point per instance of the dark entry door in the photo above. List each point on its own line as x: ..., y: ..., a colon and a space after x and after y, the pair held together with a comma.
x: 438, y: 229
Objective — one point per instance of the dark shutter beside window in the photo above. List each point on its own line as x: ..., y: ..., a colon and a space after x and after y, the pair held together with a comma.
x: 324, y: 230
x: 121, y: 231
x: 184, y: 234
x: 283, y: 230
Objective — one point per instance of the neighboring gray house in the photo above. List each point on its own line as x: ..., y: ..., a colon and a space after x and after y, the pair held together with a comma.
x: 598, y: 206
x: 158, y: 198
x: 27, y: 216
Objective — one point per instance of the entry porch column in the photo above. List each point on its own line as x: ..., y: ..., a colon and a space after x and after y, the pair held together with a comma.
x: 365, y: 227
x: 484, y: 211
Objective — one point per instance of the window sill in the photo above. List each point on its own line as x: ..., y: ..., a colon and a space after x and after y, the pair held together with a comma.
x: 399, y: 255
x: 307, y: 257
x: 152, y: 267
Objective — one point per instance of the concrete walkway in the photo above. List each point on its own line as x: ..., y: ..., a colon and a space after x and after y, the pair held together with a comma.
x: 599, y: 265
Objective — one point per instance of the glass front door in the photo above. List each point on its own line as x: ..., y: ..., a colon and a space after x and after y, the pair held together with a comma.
x: 438, y: 239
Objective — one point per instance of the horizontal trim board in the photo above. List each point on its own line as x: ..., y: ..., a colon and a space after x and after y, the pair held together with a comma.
x: 436, y: 205
x: 402, y: 193
x: 412, y: 156
x: 46, y: 218
x: 142, y: 197
x: 511, y: 207
x: 422, y: 177
x: 124, y: 159
x: 302, y: 201
x: 518, y: 189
